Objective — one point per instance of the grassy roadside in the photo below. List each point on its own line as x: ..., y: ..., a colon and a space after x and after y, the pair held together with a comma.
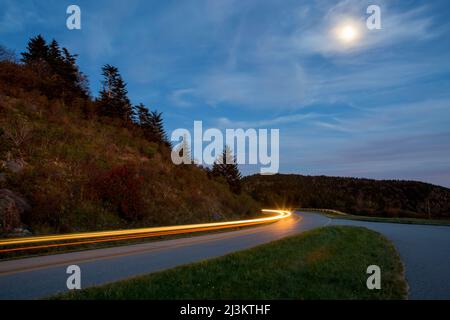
x: 342, y: 215
x: 326, y: 263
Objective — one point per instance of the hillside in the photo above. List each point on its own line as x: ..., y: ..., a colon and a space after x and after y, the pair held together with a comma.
x: 384, y: 198
x: 65, y: 167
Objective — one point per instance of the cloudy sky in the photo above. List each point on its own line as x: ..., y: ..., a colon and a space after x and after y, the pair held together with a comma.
x: 376, y: 107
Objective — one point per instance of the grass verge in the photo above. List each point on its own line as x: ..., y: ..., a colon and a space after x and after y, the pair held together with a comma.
x: 334, y: 214
x: 326, y: 263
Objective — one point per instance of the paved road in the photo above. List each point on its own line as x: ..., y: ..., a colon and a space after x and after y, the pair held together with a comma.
x: 425, y: 250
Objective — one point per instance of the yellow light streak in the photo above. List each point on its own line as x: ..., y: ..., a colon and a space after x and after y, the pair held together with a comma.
x: 108, y: 236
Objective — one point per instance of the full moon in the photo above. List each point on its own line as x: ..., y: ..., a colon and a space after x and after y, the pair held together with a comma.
x: 347, y: 33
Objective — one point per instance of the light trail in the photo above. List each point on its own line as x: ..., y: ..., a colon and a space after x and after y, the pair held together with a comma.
x: 109, y: 236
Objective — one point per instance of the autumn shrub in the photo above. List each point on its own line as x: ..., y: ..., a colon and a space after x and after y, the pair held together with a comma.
x: 92, y: 215
x: 121, y: 188
x: 150, y: 149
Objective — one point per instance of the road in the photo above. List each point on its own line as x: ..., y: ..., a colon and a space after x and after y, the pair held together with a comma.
x: 424, y: 249
x: 425, y: 252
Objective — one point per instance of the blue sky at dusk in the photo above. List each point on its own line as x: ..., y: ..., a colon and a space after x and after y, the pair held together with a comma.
x: 378, y: 108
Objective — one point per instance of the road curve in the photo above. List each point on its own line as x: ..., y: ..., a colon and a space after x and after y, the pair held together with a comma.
x: 425, y: 252
x: 424, y: 249
x: 66, y: 240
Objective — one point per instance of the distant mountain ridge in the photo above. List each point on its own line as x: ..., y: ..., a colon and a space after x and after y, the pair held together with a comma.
x: 386, y: 198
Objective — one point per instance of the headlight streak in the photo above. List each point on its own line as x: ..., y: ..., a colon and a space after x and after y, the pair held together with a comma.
x: 110, y: 236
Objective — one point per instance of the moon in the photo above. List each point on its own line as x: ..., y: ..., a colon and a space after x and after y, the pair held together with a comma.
x: 348, y: 33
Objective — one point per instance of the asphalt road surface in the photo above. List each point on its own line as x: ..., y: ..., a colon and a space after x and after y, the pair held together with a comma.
x: 425, y: 251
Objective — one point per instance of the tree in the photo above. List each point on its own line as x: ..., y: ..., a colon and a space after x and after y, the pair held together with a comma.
x: 70, y: 72
x: 158, y: 134
x: 113, y: 101
x: 54, y: 56
x: 226, y: 167
x: 152, y: 124
x: 7, y: 54
x: 37, y: 50
x: 142, y: 116
x: 58, y: 66
x: 143, y: 120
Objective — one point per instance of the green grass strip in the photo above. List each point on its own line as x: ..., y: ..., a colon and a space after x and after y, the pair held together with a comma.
x: 326, y: 263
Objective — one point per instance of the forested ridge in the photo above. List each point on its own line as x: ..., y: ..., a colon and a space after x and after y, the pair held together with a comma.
x: 384, y: 198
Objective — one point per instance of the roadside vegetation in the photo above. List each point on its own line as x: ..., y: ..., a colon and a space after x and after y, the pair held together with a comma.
x: 359, y: 197
x: 326, y: 263
x: 70, y: 162
x: 341, y: 215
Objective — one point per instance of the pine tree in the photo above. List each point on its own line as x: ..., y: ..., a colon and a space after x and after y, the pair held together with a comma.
x: 54, y: 56
x: 226, y: 167
x: 142, y: 115
x: 71, y: 73
x: 152, y: 124
x: 157, y: 132
x: 142, y: 119
x: 50, y: 61
x: 37, y: 50
x: 113, y: 101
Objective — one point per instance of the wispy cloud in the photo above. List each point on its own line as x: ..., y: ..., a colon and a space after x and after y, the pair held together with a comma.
x: 15, y: 16
x: 273, y: 69
x: 276, y: 64
x: 266, y: 87
x: 397, y: 27
x: 180, y: 97
x: 273, y: 122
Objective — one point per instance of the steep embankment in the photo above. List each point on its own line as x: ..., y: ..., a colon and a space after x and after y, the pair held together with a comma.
x: 64, y: 169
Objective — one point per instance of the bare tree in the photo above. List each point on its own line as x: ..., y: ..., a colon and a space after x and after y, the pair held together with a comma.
x: 7, y: 54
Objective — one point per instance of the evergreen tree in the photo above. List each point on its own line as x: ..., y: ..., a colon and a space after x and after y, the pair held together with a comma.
x: 157, y: 132
x: 113, y: 101
x: 53, y: 61
x: 142, y: 116
x: 71, y: 73
x: 54, y: 56
x: 37, y: 50
x: 152, y: 124
x: 142, y: 119
x: 226, y: 167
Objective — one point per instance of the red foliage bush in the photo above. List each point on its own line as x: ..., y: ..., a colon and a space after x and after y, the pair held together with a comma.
x: 121, y: 187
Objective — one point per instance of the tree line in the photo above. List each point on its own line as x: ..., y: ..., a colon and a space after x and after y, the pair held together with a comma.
x: 386, y: 198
